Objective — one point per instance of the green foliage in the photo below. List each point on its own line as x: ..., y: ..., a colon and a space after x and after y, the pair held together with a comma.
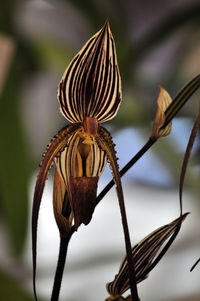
x: 15, y: 165
x: 11, y: 289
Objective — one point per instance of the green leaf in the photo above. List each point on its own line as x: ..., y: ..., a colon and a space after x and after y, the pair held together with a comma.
x: 11, y: 289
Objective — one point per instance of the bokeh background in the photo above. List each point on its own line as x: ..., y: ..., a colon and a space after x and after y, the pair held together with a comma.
x: 158, y: 43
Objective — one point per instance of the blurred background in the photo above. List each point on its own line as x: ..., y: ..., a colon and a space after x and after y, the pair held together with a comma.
x: 158, y: 43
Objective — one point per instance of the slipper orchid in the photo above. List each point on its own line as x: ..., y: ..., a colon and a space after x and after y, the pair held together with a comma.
x: 89, y: 93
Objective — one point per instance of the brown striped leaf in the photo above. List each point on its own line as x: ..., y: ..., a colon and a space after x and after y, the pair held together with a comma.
x: 91, y: 85
x: 144, y: 254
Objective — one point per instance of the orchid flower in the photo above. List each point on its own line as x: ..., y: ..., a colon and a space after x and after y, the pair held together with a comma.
x: 89, y: 94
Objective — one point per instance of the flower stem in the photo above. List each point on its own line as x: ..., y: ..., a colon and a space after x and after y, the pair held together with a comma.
x: 139, y: 154
x: 130, y: 259
x: 64, y: 242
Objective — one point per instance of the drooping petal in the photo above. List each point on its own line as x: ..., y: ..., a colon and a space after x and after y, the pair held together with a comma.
x: 104, y: 140
x: 91, y: 85
x: 144, y: 254
x: 54, y: 148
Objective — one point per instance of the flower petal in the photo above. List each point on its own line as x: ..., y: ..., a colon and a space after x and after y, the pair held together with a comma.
x: 104, y: 140
x: 91, y: 85
x: 54, y: 148
x: 163, y: 102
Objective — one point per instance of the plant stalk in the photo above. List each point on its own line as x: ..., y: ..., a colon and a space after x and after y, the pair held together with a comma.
x: 130, y: 259
x: 139, y: 154
x: 64, y: 242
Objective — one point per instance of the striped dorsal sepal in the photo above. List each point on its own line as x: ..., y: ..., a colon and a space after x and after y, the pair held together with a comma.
x: 91, y: 85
